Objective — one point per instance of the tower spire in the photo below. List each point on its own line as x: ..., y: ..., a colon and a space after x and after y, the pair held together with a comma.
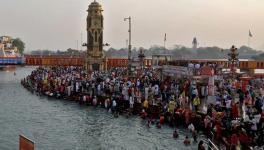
x: 95, y: 58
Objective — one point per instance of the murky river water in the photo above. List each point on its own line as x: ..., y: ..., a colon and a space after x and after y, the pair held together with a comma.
x: 65, y: 125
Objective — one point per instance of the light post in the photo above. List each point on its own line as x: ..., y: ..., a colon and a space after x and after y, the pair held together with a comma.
x: 141, y: 57
x: 233, y: 60
x: 85, y: 45
x: 129, y: 45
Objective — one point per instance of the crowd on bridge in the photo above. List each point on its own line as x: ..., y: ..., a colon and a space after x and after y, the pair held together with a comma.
x: 235, y: 119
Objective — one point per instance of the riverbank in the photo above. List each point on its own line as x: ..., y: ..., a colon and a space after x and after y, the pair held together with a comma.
x: 176, y: 103
x: 61, y: 124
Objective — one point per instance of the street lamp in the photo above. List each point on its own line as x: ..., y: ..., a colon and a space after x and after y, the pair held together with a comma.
x: 85, y: 44
x: 141, y: 57
x: 129, y: 46
x: 233, y: 60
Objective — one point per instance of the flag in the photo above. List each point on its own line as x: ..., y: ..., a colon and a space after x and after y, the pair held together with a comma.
x: 250, y: 34
x: 165, y: 38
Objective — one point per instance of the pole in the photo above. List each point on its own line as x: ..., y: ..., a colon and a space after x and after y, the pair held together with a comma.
x: 248, y: 41
x: 129, y: 45
x: 81, y: 40
x: 165, y: 38
x: 77, y: 45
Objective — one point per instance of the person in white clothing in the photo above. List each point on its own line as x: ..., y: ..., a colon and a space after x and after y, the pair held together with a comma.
x: 131, y: 102
x: 94, y: 101
x: 191, y: 127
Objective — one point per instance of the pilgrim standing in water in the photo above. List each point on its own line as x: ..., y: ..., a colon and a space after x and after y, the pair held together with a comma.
x: 187, y: 141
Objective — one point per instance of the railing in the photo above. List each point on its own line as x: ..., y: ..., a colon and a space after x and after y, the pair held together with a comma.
x: 11, y: 60
x: 211, y: 145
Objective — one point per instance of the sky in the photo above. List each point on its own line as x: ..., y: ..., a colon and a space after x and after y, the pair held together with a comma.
x: 59, y: 24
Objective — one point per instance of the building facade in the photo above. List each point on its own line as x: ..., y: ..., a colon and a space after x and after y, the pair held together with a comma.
x: 95, y: 59
x: 7, y: 49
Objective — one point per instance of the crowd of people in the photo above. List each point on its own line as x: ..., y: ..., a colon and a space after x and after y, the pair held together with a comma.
x: 235, y: 119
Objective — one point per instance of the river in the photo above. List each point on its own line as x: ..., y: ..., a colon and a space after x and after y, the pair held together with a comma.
x: 64, y: 125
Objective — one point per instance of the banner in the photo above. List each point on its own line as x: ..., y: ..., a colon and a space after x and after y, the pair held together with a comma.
x: 175, y: 70
x: 25, y: 143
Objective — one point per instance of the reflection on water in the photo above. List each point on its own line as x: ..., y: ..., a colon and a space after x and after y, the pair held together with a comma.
x: 8, y: 68
x: 63, y: 125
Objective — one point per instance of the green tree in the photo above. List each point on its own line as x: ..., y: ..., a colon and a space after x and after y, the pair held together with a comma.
x: 19, y: 44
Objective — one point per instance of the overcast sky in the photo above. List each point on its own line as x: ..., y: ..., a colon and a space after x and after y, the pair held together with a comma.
x: 58, y: 24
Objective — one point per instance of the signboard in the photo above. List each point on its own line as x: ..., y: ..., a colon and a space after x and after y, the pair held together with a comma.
x: 176, y: 70
x: 25, y: 143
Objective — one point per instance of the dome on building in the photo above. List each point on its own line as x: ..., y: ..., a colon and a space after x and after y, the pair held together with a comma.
x: 95, y: 3
x: 95, y: 6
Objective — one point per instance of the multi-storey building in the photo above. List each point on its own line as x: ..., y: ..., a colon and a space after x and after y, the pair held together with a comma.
x: 6, y: 47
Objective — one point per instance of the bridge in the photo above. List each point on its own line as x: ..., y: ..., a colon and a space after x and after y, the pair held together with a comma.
x: 11, y: 60
x: 65, y: 60
x: 54, y: 60
x: 78, y: 60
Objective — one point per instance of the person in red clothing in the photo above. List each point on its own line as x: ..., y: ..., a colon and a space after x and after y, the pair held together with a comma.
x: 162, y: 119
x: 234, y: 110
x: 218, y: 131
x: 244, y: 139
x: 234, y: 141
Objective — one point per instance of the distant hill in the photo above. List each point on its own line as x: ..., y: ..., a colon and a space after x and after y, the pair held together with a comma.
x: 177, y: 52
x: 182, y: 52
x: 258, y: 57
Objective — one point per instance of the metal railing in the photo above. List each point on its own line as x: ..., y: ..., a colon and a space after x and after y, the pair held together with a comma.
x: 211, y: 145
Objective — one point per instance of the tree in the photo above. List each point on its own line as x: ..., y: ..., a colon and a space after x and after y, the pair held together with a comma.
x: 19, y: 44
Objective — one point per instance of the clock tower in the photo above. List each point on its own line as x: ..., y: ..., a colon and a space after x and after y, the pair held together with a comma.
x: 95, y: 59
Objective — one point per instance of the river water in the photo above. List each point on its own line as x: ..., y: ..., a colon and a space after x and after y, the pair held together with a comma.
x: 64, y: 125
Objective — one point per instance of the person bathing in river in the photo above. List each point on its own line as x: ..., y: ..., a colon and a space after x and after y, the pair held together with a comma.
x: 201, y: 146
x: 175, y: 134
x: 158, y: 125
x: 149, y: 122
x: 187, y: 141
x: 114, y: 105
x: 194, y: 135
x: 143, y: 114
x: 95, y: 101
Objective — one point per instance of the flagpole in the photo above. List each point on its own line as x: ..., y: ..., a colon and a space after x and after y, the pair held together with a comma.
x: 164, y: 44
x: 248, y: 41
x: 249, y: 36
x: 165, y: 38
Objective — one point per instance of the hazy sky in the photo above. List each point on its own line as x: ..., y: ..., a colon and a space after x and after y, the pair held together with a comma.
x: 58, y: 24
